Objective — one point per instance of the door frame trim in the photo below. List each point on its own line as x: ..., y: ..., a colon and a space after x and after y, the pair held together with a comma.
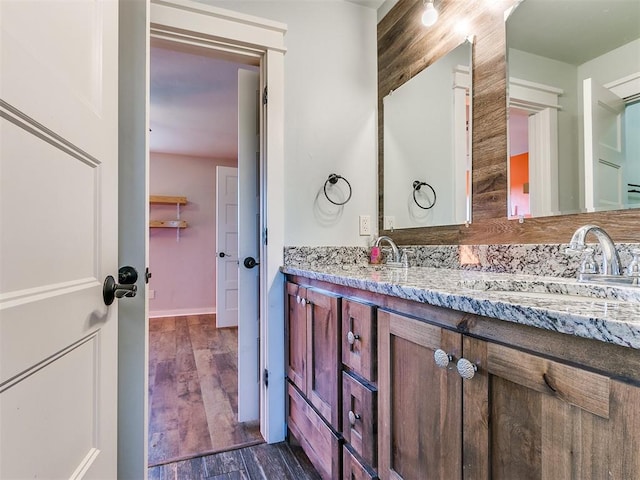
x: 191, y: 22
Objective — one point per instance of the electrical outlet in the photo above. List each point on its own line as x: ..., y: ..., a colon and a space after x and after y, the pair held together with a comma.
x: 365, y: 225
x: 389, y: 222
x: 152, y: 294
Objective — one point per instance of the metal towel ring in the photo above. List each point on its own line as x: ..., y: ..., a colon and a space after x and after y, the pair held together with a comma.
x: 416, y: 186
x: 333, y: 179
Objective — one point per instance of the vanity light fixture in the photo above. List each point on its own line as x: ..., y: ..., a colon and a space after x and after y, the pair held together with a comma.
x: 430, y: 15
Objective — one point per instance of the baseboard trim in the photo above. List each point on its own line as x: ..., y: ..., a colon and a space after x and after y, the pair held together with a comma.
x: 179, y: 312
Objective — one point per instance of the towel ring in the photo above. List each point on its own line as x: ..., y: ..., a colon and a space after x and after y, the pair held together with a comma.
x: 416, y: 186
x: 333, y: 179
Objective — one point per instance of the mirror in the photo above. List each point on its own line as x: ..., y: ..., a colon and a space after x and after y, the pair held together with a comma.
x: 427, y: 146
x: 574, y: 106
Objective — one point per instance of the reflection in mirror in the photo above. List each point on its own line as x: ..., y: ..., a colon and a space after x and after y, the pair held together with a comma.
x: 574, y: 106
x: 427, y: 140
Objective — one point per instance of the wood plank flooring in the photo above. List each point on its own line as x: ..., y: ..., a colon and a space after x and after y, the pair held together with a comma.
x: 279, y: 461
x: 193, y: 392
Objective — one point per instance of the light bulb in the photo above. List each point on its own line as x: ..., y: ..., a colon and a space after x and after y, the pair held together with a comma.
x: 430, y: 15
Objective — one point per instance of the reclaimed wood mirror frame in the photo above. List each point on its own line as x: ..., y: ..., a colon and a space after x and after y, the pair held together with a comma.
x: 406, y: 46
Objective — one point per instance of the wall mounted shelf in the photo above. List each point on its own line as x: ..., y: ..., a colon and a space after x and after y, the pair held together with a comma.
x: 173, y: 223
x: 167, y: 224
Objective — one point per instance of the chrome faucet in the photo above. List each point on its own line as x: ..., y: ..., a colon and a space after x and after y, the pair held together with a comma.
x: 397, y: 258
x: 610, y: 258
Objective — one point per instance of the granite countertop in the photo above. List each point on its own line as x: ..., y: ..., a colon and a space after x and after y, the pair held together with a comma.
x: 608, y: 314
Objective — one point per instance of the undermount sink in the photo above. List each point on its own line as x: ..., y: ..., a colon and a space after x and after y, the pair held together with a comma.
x: 551, y: 290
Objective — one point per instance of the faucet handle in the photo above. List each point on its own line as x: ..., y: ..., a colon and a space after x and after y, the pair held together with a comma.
x: 405, y: 259
x: 633, y: 269
x: 588, y: 264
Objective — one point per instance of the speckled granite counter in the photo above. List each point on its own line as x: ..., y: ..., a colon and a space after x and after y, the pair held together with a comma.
x: 559, y: 304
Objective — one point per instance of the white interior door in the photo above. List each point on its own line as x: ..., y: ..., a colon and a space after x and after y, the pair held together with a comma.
x: 227, y: 247
x: 605, y: 185
x: 248, y: 229
x: 58, y: 238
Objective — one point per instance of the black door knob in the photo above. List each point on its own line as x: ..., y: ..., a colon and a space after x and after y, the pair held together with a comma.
x: 250, y: 262
x: 222, y: 255
x: 127, y: 276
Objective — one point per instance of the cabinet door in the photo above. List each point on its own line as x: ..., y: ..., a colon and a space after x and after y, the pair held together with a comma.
x: 296, y: 335
x: 323, y: 354
x: 420, y: 404
x: 528, y: 417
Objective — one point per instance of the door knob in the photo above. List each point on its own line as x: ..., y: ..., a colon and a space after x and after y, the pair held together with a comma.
x: 127, y: 276
x: 222, y: 255
x: 250, y: 262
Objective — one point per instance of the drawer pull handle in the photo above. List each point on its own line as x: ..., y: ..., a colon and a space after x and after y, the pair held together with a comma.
x: 352, y: 337
x: 466, y: 369
x: 442, y: 358
x: 353, y: 417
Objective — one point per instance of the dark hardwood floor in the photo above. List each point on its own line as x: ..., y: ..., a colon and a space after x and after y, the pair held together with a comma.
x: 279, y: 461
x: 193, y: 394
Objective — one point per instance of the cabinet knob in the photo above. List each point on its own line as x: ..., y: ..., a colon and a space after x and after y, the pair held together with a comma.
x: 466, y: 369
x: 352, y: 337
x: 301, y: 300
x: 442, y: 358
x: 353, y: 417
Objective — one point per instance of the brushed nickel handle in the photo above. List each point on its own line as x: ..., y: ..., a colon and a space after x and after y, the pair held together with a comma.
x: 442, y: 358
x: 353, y: 417
x: 466, y: 369
x: 352, y: 337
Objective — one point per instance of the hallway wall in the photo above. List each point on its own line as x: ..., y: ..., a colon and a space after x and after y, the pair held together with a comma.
x: 184, y: 272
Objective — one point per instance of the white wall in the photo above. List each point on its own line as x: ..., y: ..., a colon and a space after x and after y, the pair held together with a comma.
x: 330, y: 114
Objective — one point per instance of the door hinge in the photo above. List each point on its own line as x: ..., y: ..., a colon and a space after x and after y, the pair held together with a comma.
x: 264, y: 96
x: 265, y: 377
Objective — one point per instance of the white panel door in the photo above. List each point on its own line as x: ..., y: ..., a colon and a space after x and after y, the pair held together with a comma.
x: 58, y: 238
x: 249, y: 245
x: 605, y: 185
x: 226, y: 246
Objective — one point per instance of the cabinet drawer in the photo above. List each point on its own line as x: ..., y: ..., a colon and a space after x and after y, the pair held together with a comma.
x: 359, y: 336
x: 359, y: 418
x: 353, y: 469
x: 318, y: 441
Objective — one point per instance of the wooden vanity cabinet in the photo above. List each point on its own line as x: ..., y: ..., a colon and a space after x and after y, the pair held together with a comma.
x: 539, y: 405
x: 522, y: 415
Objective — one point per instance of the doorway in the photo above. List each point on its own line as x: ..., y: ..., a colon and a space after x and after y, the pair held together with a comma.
x: 193, y: 365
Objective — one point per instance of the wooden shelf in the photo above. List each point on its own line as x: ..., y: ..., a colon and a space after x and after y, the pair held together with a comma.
x: 167, y: 224
x: 167, y: 199
x: 173, y: 223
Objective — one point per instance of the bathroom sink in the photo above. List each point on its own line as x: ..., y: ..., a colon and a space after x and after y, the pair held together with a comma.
x: 559, y: 290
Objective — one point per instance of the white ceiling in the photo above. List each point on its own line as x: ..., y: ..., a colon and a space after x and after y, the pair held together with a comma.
x: 193, y: 99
